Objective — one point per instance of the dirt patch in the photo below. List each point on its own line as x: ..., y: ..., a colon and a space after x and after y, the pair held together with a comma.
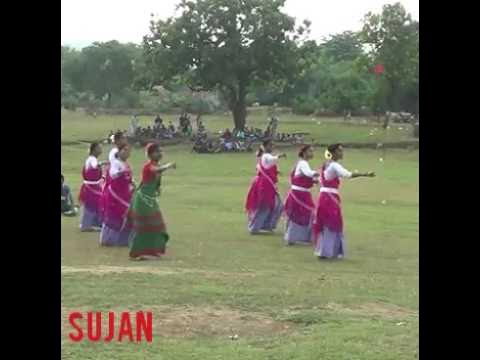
x: 221, y: 322
x: 104, y: 269
x: 189, y: 321
x: 374, y: 309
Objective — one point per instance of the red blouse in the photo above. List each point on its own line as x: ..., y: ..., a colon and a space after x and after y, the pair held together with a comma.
x: 147, y: 173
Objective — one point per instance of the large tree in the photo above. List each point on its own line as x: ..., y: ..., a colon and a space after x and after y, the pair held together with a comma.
x: 101, y: 69
x: 226, y: 45
x: 343, y: 46
x: 108, y: 67
x: 393, y: 40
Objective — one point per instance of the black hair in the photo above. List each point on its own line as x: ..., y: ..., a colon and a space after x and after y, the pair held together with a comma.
x: 117, y: 136
x: 333, y: 147
x: 93, y: 146
x: 261, y: 150
x: 303, y: 150
x: 152, y: 148
x: 120, y: 148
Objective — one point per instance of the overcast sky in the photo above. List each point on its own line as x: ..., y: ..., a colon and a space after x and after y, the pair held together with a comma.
x: 85, y: 21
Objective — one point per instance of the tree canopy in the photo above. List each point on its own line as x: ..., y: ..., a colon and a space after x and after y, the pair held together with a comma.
x: 226, y: 45
x: 248, y: 51
x: 393, y: 40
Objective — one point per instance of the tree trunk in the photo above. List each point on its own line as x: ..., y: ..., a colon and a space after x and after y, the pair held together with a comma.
x: 239, y: 115
x: 238, y: 106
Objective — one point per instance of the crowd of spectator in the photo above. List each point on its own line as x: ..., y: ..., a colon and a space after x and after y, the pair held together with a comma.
x: 223, y: 141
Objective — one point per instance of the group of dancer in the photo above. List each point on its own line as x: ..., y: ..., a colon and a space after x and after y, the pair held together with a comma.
x: 307, y: 223
x: 129, y: 215
x: 123, y: 213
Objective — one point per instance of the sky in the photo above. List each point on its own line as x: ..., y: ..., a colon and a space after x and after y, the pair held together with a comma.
x: 85, y: 21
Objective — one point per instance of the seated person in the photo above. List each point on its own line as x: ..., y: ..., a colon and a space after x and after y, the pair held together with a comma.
x: 158, y: 121
x: 149, y: 131
x: 227, y: 135
x: 187, y: 129
x: 211, y: 147
x: 171, y: 127
x: 184, y: 120
x: 68, y: 207
x: 227, y: 145
x: 241, y: 135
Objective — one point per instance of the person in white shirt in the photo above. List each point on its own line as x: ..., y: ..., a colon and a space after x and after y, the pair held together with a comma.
x: 299, y: 205
x: 132, y: 129
x: 119, y: 139
x: 328, y: 223
x: 264, y: 205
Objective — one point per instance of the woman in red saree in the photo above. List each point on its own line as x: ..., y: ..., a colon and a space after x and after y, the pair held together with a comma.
x: 119, y: 140
x: 90, y: 197
x: 328, y: 225
x: 299, y: 205
x: 116, y: 231
x: 264, y: 205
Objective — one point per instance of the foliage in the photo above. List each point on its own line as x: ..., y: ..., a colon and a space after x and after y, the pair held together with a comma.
x: 332, y: 85
x: 305, y: 105
x: 393, y: 39
x: 345, y: 46
x: 245, y: 52
x: 226, y: 45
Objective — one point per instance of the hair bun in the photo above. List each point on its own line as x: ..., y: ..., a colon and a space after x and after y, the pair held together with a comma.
x: 303, y: 149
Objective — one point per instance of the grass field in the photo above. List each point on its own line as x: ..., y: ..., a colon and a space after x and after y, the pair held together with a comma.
x: 217, y: 280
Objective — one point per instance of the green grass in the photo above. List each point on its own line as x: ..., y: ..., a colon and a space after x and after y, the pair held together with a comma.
x: 365, y: 307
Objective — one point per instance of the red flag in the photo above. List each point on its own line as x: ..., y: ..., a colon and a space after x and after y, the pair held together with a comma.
x: 379, y: 69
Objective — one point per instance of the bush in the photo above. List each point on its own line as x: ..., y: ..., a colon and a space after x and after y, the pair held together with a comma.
x: 88, y: 100
x: 200, y: 106
x: 132, y: 98
x: 304, y: 105
x: 70, y: 103
x: 127, y: 99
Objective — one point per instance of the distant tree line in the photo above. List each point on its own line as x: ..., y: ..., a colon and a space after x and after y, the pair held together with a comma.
x: 228, y: 55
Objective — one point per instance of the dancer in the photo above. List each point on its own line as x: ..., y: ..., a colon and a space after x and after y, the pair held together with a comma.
x: 91, y: 191
x: 149, y: 233
x: 119, y: 139
x: 264, y: 205
x: 328, y: 225
x: 115, y: 230
x: 299, y: 205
